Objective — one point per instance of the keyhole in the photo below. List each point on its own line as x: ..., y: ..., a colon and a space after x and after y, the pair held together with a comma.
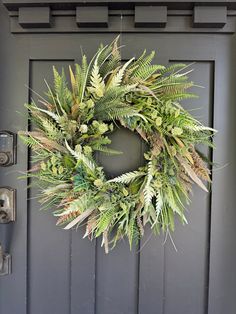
x: 3, y: 216
x: 3, y: 213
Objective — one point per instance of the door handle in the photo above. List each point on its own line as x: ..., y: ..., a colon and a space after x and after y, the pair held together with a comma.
x: 7, y: 215
x: 5, y: 262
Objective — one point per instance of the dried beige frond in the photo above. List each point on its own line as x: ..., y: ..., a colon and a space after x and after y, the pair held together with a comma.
x: 200, y: 168
x: 68, y: 217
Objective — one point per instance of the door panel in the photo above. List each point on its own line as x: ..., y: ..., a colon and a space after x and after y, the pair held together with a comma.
x: 184, y: 261
x: 49, y: 248
x: 187, y: 270
x: 183, y: 271
x: 56, y: 271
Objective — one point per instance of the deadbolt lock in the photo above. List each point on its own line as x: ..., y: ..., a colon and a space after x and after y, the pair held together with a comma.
x: 7, y: 148
x: 7, y: 205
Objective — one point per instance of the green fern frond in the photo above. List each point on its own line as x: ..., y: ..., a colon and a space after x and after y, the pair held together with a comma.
x: 105, y: 220
x: 149, y: 193
x: 81, y: 204
x: 198, y: 128
x: 158, y: 203
x: 103, y: 54
x: 179, y: 96
x: 56, y: 189
x: 110, y: 99
x: 109, y: 66
x: 81, y: 78
x: 81, y: 157
x: 96, y: 81
x: 128, y: 177
x: 173, y: 202
x: 147, y: 71
x: 63, y: 94
x: 111, y: 108
x: 51, y: 114
x: 133, y: 232
x: 172, y: 68
x: 148, y: 190
x: 29, y: 141
x: 51, y: 130
x: 116, y: 79
x: 106, y: 150
x: 143, y: 61
x: 116, y: 113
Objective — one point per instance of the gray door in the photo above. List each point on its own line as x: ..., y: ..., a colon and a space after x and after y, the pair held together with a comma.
x: 56, y: 271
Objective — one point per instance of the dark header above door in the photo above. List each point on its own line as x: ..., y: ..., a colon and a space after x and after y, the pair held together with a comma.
x: 116, y: 4
x: 75, y: 16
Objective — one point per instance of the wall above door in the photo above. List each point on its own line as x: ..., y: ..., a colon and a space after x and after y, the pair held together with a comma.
x: 76, y: 16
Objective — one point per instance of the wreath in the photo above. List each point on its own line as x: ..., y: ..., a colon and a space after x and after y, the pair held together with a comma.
x: 74, y: 122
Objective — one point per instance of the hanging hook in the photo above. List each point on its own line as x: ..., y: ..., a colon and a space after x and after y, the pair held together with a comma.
x: 121, y: 27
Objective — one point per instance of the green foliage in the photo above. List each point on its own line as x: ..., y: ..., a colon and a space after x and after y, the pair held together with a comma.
x: 75, y: 121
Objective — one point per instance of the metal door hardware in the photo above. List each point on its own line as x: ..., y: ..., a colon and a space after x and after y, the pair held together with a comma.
x: 7, y: 148
x: 5, y: 262
x: 7, y: 204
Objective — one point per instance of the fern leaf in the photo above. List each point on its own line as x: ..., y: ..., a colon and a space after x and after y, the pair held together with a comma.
x: 128, y: 177
x: 105, y: 219
x: 172, y: 201
x: 29, y: 141
x: 81, y: 157
x: 148, y: 191
x: 55, y: 189
x: 172, y: 68
x: 144, y: 73
x: 73, y: 81
x: 82, y: 74
x: 109, y: 66
x: 197, y: 128
x: 51, y: 129
x: 52, y: 115
x: 115, y: 112
x: 97, y: 83
x: 111, y: 98
x: 142, y: 61
x: 106, y: 150
x: 103, y: 54
x: 133, y: 232
x: 117, y: 78
x: 63, y: 94
x: 158, y: 203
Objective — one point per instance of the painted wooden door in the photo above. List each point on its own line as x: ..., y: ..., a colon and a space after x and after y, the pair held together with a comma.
x: 56, y: 271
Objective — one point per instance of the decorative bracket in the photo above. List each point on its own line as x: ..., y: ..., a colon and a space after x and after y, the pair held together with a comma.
x: 34, y: 17
x: 212, y: 17
x: 92, y: 16
x: 150, y: 16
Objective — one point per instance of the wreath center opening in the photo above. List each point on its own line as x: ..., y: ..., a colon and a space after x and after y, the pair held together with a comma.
x: 131, y: 147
